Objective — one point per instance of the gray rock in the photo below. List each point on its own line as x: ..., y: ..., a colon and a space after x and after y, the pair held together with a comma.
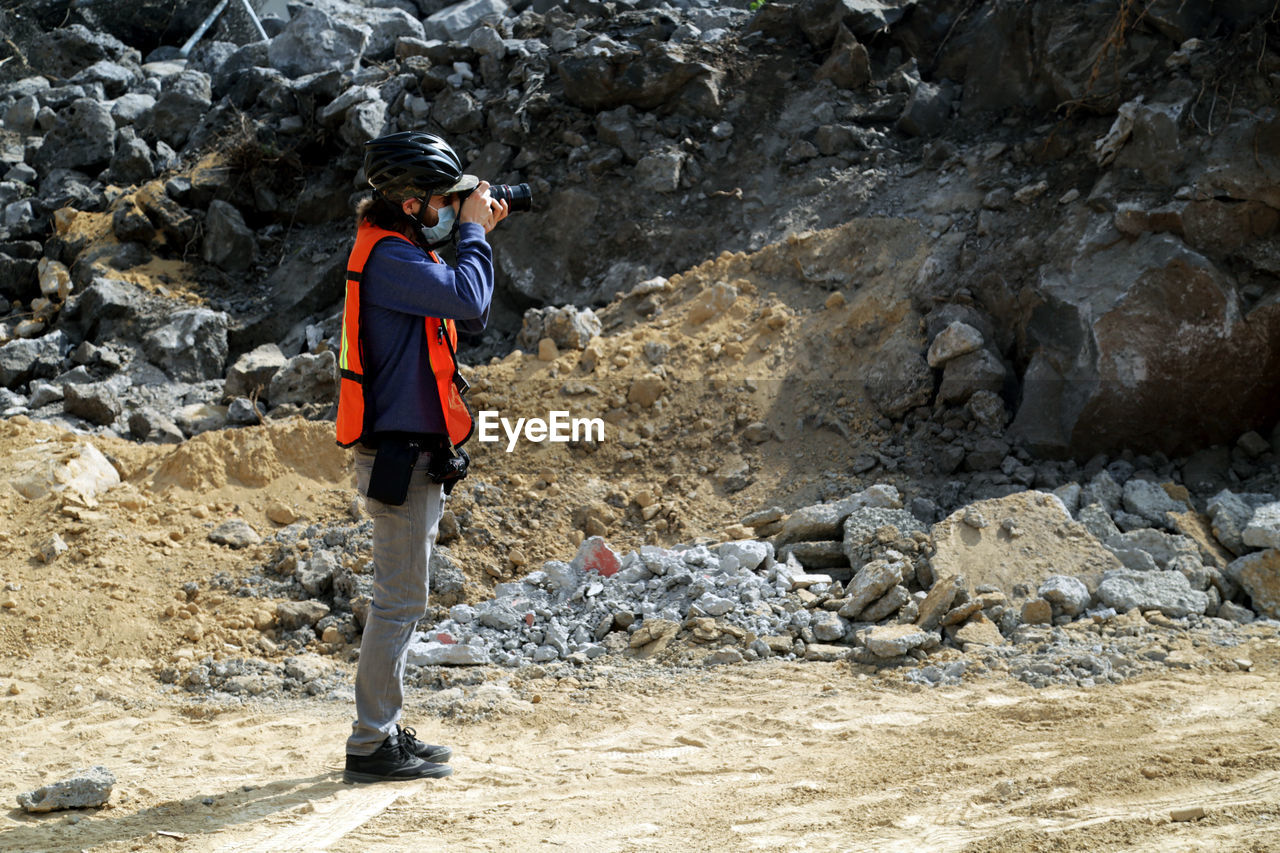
x: 87, y: 789
x: 1135, y: 559
x: 498, y: 616
x: 899, y: 381
x: 1068, y: 595
x: 23, y: 359
x: 44, y: 393
x: 825, y: 521
x: 1102, y: 490
x: 293, y: 615
x: 980, y: 370
x: 115, y: 79
x: 251, y: 373
x: 111, y: 310
x: 1101, y: 291
x: 1263, y: 529
x: 196, y: 418
x: 747, y: 555
x: 132, y: 108
x: 192, y: 347
x: 386, y: 26
x: 659, y: 171
x: 868, y: 584
x: 1163, y: 547
x: 828, y: 626
x: 890, y: 641
x: 818, y: 19
x: 183, y: 102
x: 457, y: 21
x: 458, y: 111
x: 95, y: 402
x: 313, y: 42
x: 315, y: 575
x: 848, y: 65
x: 987, y: 408
x: 1259, y: 575
x: 568, y: 326
x: 860, y: 531
x: 234, y: 533
x: 714, y: 605
x: 988, y: 454
x: 364, y: 121
x: 432, y: 653
x: 83, y: 138
x: 447, y: 578
x: 306, y: 378
x: 617, y: 127
x: 604, y: 74
x: 132, y: 163
x: 241, y: 410
x: 927, y: 111
x: 21, y: 115
x: 1168, y: 592
x: 147, y: 424
x: 228, y: 242
x: 1230, y: 514
x: 1235, y: 613
x: 886, y: 605
x: 1150, y: 501
x: 723, y: 656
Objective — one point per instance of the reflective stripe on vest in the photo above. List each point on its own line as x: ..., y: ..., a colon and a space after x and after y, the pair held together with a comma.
x: 442, y: 340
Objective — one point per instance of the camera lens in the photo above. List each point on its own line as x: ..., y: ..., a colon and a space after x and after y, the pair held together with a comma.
x: 519, y: 197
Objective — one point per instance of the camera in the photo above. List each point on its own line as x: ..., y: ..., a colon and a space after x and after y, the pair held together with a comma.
x: 519, y: 197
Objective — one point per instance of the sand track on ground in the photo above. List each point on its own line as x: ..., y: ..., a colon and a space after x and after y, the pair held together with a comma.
x: 772, y: 757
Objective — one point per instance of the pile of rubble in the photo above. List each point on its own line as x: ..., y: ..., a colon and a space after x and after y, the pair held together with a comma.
x: 1070, y: 586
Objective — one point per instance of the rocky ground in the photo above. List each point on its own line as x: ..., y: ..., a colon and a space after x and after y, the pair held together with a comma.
x: 919, y: 365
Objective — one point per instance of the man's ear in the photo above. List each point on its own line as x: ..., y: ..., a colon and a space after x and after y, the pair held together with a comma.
x: 410, y: 206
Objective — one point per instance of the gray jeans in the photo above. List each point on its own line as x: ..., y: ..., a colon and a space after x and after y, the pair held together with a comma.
x: 403, y: 537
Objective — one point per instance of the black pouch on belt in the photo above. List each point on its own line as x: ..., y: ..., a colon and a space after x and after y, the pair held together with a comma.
x: 392, y: 471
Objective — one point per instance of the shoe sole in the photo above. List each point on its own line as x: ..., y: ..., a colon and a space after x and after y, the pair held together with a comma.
x: 352, y: 777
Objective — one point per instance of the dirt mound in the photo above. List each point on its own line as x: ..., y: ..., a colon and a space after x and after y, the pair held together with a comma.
x: 253, y: 458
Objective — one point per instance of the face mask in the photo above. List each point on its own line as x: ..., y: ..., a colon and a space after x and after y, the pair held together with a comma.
x: 443, y: 228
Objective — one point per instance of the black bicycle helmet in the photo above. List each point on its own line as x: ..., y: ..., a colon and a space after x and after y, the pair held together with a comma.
x: 414, y: 164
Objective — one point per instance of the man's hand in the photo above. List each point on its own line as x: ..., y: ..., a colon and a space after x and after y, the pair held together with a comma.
x: 481, y: 208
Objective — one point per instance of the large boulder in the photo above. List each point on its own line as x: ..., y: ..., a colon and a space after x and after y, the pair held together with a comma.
x: 386, y: 26
x: 228, y: 242
x: 252, y: 372
x: 65, y: 51
x: 1259, y: 575
x: 458, y: 20
x: 183, y: 101
x: 111, y: 309
x: 1018, y: 541
x: 1168, y: 592
x: 192, y: 347
x: 83, y: 138
x: 310, y: 279
x: 314, y: 42
x: 306, y: 378
x: 604, y: 74
x: 1132, y: 340
x: 24, y: 359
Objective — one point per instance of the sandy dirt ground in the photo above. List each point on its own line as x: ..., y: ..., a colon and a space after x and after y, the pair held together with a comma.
x: 774, y: 756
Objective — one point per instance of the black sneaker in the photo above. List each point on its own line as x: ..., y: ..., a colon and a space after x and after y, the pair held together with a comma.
x: 425, y: 751
x: 391, y: 762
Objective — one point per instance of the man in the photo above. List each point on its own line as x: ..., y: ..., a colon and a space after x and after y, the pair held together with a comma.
x: 400, y: 404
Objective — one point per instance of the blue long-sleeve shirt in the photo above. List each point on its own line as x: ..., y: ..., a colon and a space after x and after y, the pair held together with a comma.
x: 401, y: 285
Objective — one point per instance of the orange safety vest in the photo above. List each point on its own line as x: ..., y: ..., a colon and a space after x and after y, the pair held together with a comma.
x: 442, y: 342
